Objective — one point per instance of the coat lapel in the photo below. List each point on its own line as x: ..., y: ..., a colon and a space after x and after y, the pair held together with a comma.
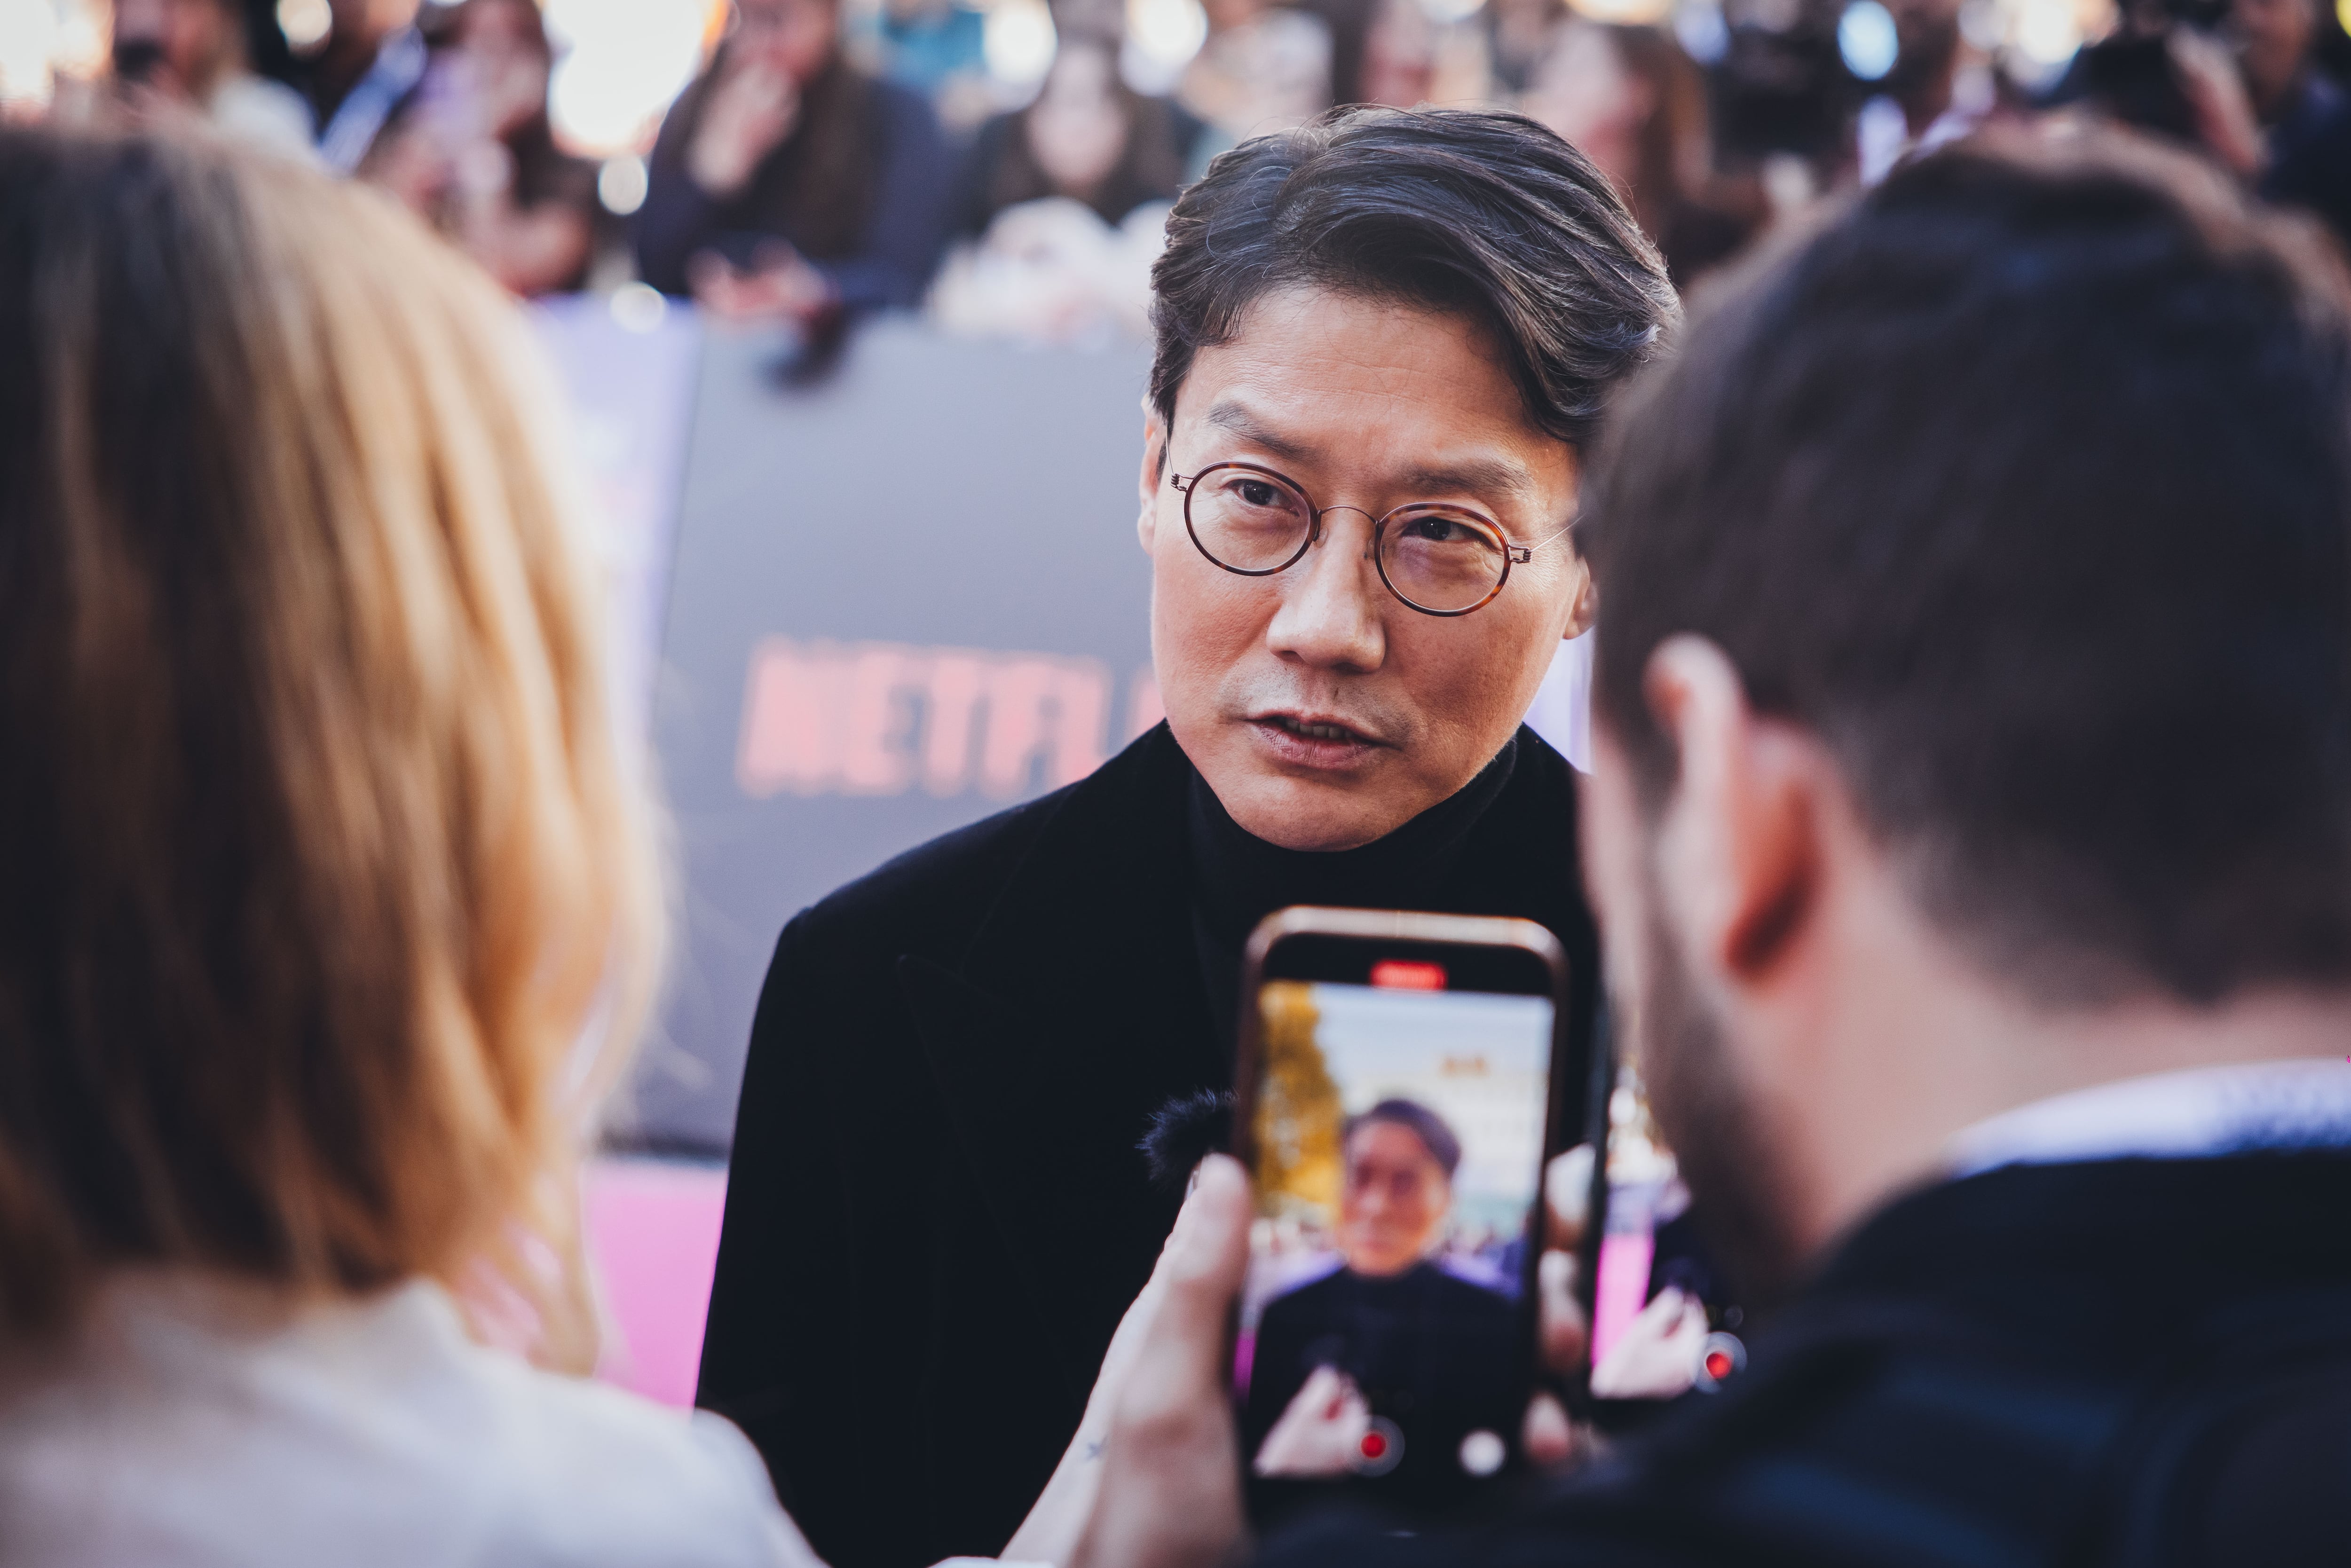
x: 1077, y: 1012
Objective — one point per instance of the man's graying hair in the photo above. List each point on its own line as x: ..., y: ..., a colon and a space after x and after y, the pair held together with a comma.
x: 1489, y: 216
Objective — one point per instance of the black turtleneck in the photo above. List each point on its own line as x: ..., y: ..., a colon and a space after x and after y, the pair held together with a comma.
x: 1237, y: 879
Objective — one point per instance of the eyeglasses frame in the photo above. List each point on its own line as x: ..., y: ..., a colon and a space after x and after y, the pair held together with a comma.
x: 1519, y: 554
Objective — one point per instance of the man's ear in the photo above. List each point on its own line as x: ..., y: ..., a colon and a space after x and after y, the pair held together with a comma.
x: 1584, y: 610
x: 1147, y: 485
x: 1739, y: 851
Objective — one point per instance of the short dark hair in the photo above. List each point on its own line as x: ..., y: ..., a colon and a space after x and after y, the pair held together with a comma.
x: 1486, y: 215
x: 2026, y: 485
x: 1416, y: 1119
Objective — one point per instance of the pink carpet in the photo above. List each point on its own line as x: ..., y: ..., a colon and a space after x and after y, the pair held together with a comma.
x: 653, y: 1225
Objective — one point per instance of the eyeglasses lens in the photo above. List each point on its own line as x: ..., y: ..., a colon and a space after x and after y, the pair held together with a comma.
x: 1246, y: 521
x: 1442, y: 560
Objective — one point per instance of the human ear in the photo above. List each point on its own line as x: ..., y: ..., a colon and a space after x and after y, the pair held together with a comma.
x: 1583, y: 608
x: 1146, y: 485
x: 1739, y: 859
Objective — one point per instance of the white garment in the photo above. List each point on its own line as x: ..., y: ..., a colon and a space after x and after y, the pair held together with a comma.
x: 266, y: 114
x: 176, y: 1433
x: 1562, y: 713
x: 2302, y: 1103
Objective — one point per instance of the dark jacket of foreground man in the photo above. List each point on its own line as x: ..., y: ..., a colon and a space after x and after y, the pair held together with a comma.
x: 936, y: 1212
x: 2141, y: 1363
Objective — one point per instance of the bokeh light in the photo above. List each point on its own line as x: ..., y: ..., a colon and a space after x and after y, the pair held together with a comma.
x: 1019, y: 41
x: 618, y: 63
x: 1867, y: 40
x: 305, y: 23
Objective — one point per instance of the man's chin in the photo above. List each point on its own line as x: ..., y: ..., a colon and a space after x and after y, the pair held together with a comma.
x: 1312, y: 815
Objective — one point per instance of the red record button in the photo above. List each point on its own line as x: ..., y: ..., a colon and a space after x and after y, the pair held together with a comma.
x: 1720, y: 1356
x: 1375, y: 1447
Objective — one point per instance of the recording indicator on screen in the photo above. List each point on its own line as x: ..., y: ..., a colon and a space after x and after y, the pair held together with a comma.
x: 1404, y: 974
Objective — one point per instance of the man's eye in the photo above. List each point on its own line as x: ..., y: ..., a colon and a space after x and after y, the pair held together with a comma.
x: 1258, y: 492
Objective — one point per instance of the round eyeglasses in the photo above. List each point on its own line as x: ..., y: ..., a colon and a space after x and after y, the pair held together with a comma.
x: 1439, y: 559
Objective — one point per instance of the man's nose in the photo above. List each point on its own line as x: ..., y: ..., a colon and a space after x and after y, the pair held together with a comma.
x: 1332, y: 610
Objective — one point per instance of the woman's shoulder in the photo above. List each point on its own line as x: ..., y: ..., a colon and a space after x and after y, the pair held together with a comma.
x: 376, y: 1433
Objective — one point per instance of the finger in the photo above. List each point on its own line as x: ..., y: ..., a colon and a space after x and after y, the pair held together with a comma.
x: 1567, y: 1195
x: 1170, y: 1490
x: 1547, y: 1436
x: 1566, y: 1332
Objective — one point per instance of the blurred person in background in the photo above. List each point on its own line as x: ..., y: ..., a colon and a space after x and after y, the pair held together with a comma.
x: 374, y: 56
x: 190, y: 57
x: 1264, y: 69
x: 935, y: 48
x: 2165, y: 70
x: 788, y: 185
x: 1978, y: 894
x: 1636, y: 105
x: 936, y: 1210
x: 1933, y: 94
x: 1086, y: 137
x: 1062, y: 207
x: 472, y: 153
x: 317, y: 861
x: 2292, y: 95
x: 2304, y: 112
x: 1519, y: 39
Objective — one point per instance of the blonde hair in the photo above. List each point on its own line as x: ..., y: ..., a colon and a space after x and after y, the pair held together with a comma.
x: 317, y: 852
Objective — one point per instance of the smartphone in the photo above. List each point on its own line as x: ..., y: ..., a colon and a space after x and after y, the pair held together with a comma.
x: 1398, y: 1090
x: 1664, y: 1322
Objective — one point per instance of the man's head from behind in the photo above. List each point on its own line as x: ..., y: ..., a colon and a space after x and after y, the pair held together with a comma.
x: 1391, y: 333
x: 1975, y: 682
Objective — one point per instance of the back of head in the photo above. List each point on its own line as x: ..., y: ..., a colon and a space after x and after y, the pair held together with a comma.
x: 314, y: 848
x: 2027, y: 487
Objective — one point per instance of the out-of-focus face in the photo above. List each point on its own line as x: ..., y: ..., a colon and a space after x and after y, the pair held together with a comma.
x: 503, y: 52
x: 1581, y: 90
x: 795, y: 38
x: 1076, y: 128
x: 195, y: 37
x: 1395, y: 1201
x: 2274, y: 38
x: 1323, y: 711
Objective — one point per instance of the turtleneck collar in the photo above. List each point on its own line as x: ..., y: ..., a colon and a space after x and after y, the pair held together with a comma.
x: 1237, y: 879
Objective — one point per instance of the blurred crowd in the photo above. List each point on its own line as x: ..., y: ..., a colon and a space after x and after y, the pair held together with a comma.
x: 1009, y: 168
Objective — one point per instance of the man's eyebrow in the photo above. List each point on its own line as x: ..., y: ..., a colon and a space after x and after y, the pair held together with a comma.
x: 1233, y: 417
x: 1467, y: 475
x: 1473, y: 475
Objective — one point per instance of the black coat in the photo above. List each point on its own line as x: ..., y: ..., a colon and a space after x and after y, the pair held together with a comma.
x: 2141, y: 1363
x: 936, y: 1213
x: 1440, y: 1356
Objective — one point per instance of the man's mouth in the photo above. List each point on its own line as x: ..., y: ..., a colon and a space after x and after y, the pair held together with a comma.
x: 1315, y: 740
x: 1313, y: 730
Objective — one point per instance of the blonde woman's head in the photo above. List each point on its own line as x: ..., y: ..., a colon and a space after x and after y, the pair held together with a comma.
x: 315, y: 852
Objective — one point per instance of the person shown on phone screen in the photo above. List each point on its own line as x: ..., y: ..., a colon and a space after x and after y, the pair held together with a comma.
x: 1383, y: 340
x: 1389, y: 1328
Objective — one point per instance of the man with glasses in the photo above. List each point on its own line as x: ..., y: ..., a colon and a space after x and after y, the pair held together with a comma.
x: 1383, y: 342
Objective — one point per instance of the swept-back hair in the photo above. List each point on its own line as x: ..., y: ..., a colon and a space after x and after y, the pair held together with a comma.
x: 316, y: 852
x: 1485, y: 215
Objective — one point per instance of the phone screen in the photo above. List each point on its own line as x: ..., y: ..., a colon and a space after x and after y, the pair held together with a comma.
x: 1663, y: 1321
x: 1395, y: 1122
